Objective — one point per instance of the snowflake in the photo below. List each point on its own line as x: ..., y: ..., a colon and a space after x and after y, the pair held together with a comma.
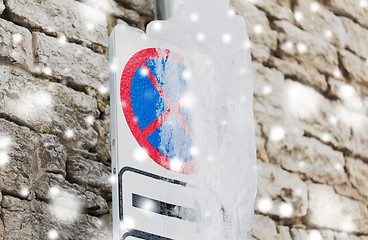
x: 17, y: 38
x: 194, y: 17
x: 277, y: 133
x: 157, y: 26
x: 69, y: 133
x: 286, y: 210
x: 315, y: 7
x: 176, y: 165
x: 53, y: 234
x: 264, y: 205
x: 226, y: 37
x: 298, y: 16
x: 200, y: 37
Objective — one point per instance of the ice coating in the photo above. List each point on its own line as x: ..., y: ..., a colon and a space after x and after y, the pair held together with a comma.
x: 218, y: 98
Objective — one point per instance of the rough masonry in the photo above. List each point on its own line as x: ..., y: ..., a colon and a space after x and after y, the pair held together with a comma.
x: 310, y: 73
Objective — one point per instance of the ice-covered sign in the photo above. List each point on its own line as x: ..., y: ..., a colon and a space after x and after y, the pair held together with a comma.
x: 183, y: 146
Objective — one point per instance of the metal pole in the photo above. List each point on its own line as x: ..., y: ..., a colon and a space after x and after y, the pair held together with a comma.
x: 166, y: 9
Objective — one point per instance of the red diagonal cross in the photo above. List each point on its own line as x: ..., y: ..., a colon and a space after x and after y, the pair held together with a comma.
x: 174, y: 109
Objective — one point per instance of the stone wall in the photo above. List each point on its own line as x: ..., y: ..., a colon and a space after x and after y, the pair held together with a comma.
x: 54, y: 116
x: 310, y: 65
x: 310, y: 102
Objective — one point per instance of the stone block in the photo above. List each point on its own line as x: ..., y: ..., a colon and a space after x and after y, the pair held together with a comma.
x: 16, y: 157
x: 88, y: 172
x: 33, y: 220
x: 306, y: 48
x: 51, y: 154
x: 358, y: 38
x: 145, y: 7
x: 309, y: 156
x: 322, y: 23
x: 260, y: 53
x: 264, y: 228
x: 2, y: 230
x: 280, y: 193
x: 326, y: 208
x: 358, y: 174
x: 2, y: 6
x: 16, y: 44
x: 357, y: 70
x: 258, y: 27
x: 284, y: 233
x: 112, y: 8
x: 268, y: 90
x: 48, y: 107
x: 299, y: 234
x: 91, y: 203
x: 349, y: 8
x: 304, y: 73
x: 70, y: 63
x: 328, y: 235
x: 342, y: 236
x: 279, y: 9
x: 317, y: 116
x: 103, y: 146
x: 76, y: 20
x: 28, y: 154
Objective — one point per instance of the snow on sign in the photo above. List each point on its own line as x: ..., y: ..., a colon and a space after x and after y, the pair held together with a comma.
x: 151, y: 138
x: 153, y: 113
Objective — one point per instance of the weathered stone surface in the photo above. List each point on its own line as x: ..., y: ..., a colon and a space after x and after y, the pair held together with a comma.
x: 76, y: 20
x: 308, y: 156
x: 15, y: 44
x: 145, y: 7
x: 286, y: 191
x: 326, y: 208
x: 292, y: 69
x: 358, y: 174
x: 33, y: 220
x: 284, y: 233
x: 357, y: 70
x: 49, y: 107
x: 2, y: 6
x: 17, y: 173
x: 341, y: 236
x: 349, y: 8
x: 260, y: 53
x: 299, y: 234
x: 29, y: 154
x: 306, y: 47
x: 112, y: 8
x: 258, y: 27
x: 2, y: 230
x: 103, y: 147
x: 317, y: 116
x: 322, y: 23
x: 328, y: 235
x: 88, y: 172
x: 279, y: 9
x: 358, y: 38
x: 268, y: 90
x: 91, y: 202
x: 51, y: 154
x: 264, y: 228
x: 67, y: 62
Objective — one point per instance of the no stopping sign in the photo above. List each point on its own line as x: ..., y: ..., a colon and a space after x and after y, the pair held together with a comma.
x: 151, y: 88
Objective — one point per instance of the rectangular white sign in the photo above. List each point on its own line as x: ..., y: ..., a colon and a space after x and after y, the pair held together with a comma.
x: 154, y: 183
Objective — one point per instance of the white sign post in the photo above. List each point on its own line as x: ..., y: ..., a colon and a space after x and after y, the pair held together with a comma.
x: 153, y: 186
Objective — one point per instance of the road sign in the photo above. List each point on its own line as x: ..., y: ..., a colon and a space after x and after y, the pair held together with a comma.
x: 151, y: 138
x: 152, y: 110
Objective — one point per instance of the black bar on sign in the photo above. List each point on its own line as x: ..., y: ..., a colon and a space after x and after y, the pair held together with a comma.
x: 143, y: 235
x: 163, y: 208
